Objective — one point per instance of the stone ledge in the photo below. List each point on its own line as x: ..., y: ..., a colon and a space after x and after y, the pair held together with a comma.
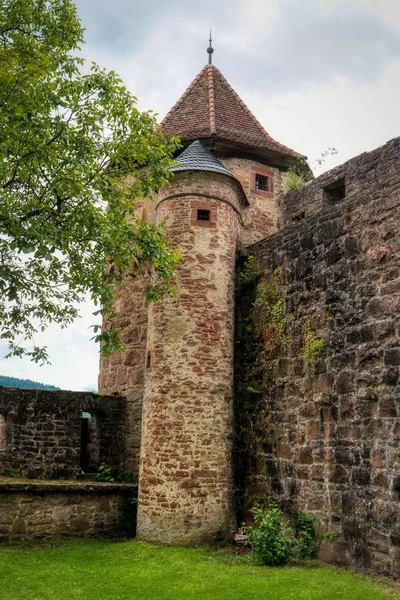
x: 12, y: 484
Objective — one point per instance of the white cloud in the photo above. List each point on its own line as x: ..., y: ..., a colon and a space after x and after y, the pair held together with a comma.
x: 349, y: 116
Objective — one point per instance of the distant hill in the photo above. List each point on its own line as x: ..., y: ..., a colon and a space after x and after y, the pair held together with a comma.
x: 25, y: 383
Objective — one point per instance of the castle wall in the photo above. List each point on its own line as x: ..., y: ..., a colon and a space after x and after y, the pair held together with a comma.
x: 185, y: 485
x: 41, y: 432
x: 318, y: 414
x: 261, y: 217
x: 32, y: 510
x: 123, y: 372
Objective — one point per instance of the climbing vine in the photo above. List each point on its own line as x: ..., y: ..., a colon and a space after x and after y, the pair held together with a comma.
x: 268, y: 312
x: 260, y: 341
x: 263, y: 331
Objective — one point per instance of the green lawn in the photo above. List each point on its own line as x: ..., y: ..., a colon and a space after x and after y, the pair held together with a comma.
x: 96, y: 570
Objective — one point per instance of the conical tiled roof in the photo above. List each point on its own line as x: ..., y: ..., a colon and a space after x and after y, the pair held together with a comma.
x: 197, y: 157
x: 210, y: 108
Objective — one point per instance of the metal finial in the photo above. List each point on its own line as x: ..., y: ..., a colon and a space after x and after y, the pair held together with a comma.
x: 210, y: 50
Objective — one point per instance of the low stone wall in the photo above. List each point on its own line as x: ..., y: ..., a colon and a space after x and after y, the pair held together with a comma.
x: 52, y: 433
x: 318, y: 411
x: 49, y: 509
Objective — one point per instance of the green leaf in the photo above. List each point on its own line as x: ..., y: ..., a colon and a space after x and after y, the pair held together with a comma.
x: 75, y: 154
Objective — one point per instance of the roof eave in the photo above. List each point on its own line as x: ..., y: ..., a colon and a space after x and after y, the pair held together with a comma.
x: 242, y: 196
x: 224, y: 146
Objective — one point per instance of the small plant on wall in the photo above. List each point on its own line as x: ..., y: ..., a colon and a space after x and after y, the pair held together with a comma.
x: 269, y: 311
x: 312, y: 347
x: 298, y: 174
x: 105, y: 473
x: 302, y: 173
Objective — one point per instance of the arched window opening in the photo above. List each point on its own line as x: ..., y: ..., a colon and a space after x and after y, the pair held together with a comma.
x: 90, y: 443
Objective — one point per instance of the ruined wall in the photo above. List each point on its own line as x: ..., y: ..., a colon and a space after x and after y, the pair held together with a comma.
x: 260, y: 218
x: 320, y: 410
x: 37, y: 510
x: 123, y: 372
x: 42, y: 431
x: 185, y: 484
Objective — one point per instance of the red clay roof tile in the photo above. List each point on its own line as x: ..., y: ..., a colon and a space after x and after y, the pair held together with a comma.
x: 210, y: 108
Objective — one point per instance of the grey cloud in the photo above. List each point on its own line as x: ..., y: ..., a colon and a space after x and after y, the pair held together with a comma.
x: 119, y: 26
x: 122, y: 26
x: 309, y: 46
x: 159, y: 47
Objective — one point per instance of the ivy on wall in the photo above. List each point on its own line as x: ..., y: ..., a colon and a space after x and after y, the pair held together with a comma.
x: 260, y: 341
x: 312, y: 347
x: 262, y: 336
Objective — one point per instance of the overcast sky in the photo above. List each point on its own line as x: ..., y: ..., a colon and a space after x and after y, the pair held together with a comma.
x: 316, y: 74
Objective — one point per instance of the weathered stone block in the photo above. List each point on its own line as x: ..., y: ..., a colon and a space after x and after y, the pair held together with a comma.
x: 351, y: 300
x: 35, y: 509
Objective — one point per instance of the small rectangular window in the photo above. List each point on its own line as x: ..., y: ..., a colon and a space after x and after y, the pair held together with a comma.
x: 299, y: 217
x: 90, y: 442
x: 262, y: 182
x: 335, y: 192
x: 148, y: 359
x: 203, y: 215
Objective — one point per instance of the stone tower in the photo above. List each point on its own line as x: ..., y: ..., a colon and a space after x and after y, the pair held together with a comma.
x: 177, y: 372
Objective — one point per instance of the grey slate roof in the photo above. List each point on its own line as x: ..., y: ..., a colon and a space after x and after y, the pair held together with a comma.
x: 197, y: 157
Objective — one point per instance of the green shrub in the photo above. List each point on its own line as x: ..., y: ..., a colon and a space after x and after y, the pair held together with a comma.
x: 270, y: 537
x: 13, y: 473
x: 294, y: 180
x: 108, y: 474
x: 306, y: 543
x: 105, y: 473
x: 298, y: 174
x: 275, y: 542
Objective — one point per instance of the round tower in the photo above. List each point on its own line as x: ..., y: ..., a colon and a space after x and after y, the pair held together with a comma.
x: 177, y: 373
x: 185, y: 484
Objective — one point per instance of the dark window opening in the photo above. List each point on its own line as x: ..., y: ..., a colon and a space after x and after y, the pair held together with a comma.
x: 262, y: 183
x: 90, y: 443
x: 148, y: 360
x: 396, y: 488
x: 203, y: 215
x: 299, y: 217
x: 335, y: 192
x: 3, y: 433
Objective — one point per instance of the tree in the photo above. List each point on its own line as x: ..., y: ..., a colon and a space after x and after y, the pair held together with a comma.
x: 75, y: 153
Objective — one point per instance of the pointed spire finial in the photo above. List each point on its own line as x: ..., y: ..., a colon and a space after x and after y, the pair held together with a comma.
x: 210, y: 50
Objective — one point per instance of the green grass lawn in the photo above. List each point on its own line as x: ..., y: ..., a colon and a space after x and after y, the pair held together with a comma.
x: 96, y: 570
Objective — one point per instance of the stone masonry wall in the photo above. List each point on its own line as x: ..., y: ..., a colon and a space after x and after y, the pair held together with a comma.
x: 43, y: 431
x: 185, y: 484
x: 123, y: 372
x: 260, y: 218
x: 330, y: 444
x: 36, y: 510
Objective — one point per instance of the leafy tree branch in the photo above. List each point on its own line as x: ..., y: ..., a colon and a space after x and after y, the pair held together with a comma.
x: 75, y: 154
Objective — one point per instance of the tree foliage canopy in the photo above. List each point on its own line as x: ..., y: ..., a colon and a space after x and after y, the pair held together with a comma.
x: 68, y: 142
x: 8, y: 381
